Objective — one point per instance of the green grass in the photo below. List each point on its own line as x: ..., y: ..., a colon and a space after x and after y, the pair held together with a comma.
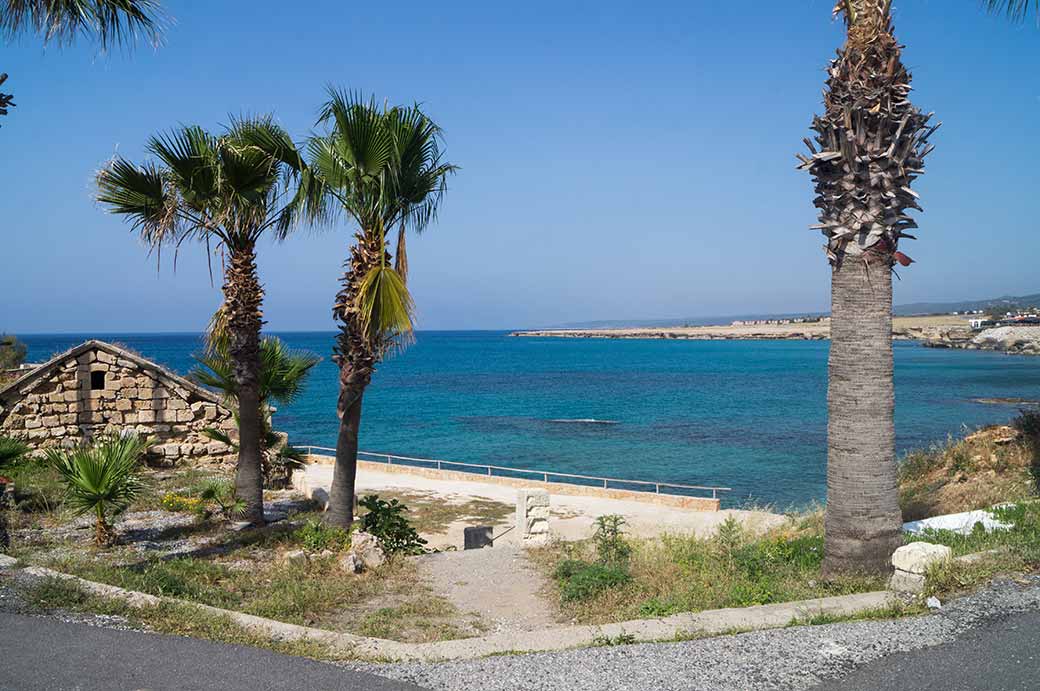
x: 182, y: 620
x: 679, y: 573
x: 1022, y: 538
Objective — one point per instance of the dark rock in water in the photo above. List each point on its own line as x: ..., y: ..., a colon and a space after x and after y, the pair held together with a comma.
x: 1005, y: 401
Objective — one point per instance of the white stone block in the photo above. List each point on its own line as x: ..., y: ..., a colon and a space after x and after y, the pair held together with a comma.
x: 918, y: 556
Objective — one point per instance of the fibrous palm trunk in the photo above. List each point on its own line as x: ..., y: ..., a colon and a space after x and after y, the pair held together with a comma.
x: 862, y: 524
x: 103, y: 533
x: 870, y: 146
x: 356, y: 357
x: 243, y: 296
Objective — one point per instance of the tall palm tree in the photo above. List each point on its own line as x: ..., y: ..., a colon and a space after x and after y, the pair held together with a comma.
x: 107, y: 21
x: 381, y: 167
x: 870, y: 146
x: 223, y: 191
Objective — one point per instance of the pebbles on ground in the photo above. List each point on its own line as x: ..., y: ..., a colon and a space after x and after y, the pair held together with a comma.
x: 792, y: 658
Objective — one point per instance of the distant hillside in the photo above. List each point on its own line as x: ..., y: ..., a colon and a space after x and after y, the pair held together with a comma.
x: 913, y: 308
x: 965, y: 305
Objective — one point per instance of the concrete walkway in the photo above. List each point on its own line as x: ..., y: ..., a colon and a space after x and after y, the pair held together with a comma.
x: 572, y: 518
x: 497, y: 584
x: 45, y: 653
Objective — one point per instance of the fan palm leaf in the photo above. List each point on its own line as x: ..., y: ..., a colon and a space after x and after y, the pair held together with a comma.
x: 11, y: 451
x: 1017, y: 10
x: 101, y: 478
x: 116, y: 22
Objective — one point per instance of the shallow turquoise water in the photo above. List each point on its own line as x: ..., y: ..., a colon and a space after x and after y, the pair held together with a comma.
x: 750, y: 415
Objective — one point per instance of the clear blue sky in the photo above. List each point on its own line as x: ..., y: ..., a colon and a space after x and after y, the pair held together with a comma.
x: 620, y: 160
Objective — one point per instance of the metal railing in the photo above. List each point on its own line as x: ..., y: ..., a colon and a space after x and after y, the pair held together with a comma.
x: 488, y: 470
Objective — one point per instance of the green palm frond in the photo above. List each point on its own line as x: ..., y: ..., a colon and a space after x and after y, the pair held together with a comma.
x: 215, y: 370
x: 112, y: 22
x: 225, y: 189
x: 283, y: 371
x: 11, y: 451
x: 102, y: 478
x: 1017, y: 10
x: 140, y: 194
x: 385, y: 306
x: 220, y: 436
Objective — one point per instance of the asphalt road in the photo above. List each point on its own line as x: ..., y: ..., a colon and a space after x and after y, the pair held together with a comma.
x: 1001, y: 656
x: 45, y: 653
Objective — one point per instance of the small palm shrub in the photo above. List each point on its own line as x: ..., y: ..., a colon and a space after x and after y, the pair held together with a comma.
x: 101, y: 479
x: 386, y: 521
x: 11, y: 451
x: 221, y: 494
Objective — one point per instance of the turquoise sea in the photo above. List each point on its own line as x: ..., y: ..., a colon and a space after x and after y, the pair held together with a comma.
x: 750, y: 415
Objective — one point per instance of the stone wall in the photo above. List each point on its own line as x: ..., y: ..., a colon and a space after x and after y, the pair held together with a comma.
x: 99, y: 391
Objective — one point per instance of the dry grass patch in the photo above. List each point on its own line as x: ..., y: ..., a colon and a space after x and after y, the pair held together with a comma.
x: 246, y: 572
x: 993, y: 465
x: 431, y: 513
x: 51, y: 594
x: 680, y: 573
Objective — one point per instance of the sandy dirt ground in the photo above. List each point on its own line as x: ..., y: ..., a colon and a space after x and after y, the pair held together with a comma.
x: 572, y: 517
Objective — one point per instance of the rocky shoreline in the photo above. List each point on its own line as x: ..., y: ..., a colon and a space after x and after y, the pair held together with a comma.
x: 903, y: 329
x: 1013, y: 340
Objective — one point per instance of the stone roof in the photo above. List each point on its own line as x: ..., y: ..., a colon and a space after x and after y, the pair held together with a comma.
x: 91, y: 345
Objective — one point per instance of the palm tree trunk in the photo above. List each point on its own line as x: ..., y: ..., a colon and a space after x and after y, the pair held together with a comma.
x: 356, y: 358
x: 243, y: 296
x: 344, y: 478
x: 863, y: 523
x: 103, y: 533
x: 869, y: 148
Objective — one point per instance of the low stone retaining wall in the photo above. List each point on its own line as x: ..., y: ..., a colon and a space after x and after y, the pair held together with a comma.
x: 712, y: 622
x: 558, y: 488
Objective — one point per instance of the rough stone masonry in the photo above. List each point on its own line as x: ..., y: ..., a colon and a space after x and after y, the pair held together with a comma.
x: 97, y: 387
x: 532, y: 516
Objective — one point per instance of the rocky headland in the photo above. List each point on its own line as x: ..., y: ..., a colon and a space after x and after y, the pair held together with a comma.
x: 1016, y: 340
x: 903, y: 328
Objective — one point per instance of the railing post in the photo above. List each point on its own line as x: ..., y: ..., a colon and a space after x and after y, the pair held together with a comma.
x: 604, y: 483
x: 545, y: 477
x: 438, y: 465
x: 657, y: 488
x: 389, y: 459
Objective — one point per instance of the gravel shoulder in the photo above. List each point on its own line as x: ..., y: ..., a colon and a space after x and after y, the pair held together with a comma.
x: 792, y: 658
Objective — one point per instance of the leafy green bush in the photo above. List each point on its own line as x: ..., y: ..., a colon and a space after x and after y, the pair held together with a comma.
x: 388, y: 523
x: 611, y: 548
x: 315, y: 536
x: 580, y: 580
